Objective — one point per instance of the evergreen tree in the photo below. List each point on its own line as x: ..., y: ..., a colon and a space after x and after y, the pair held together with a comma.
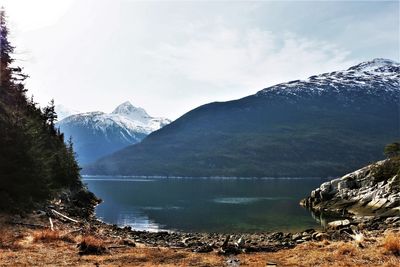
x: 50, y: 114
x: 392, y: 150
x: 35, y: 162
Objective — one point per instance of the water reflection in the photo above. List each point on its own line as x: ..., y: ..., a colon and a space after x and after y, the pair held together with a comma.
x: 324, y: 218
x: 205, y: 205
x: 245, y: 200
x: 132, y: 216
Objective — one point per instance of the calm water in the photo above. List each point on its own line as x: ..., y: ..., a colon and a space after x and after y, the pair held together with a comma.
x: 204, y: 205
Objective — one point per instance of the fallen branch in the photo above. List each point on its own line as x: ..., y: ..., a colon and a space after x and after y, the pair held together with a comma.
x: 64, y: 216
x: 51, y: 224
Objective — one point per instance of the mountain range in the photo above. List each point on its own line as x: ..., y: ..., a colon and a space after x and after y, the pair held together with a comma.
x: 326, y: 125
x: 96, y: 134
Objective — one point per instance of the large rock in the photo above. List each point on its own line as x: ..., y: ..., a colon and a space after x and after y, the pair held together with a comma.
x: 363, y: 192
x: 339, y: 224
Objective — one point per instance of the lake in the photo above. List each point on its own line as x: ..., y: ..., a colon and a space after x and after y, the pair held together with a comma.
x: 204, y: 204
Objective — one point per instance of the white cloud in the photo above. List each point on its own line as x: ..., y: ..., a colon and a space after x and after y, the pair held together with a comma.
x: 172, y: 57
x: 224, y: 57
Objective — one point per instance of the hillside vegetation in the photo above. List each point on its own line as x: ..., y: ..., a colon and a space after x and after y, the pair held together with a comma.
x: 327, y: 125
x: 35, y: 163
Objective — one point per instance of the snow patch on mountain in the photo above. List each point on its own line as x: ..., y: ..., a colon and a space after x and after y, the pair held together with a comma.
x: 376, y: 77
x: 127, y: 110
x: 126, y: 118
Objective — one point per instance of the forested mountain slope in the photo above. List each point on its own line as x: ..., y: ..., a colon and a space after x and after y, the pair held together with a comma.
x: 326, y: 125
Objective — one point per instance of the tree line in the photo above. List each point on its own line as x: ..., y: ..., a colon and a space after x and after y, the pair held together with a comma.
x: 35, y: 162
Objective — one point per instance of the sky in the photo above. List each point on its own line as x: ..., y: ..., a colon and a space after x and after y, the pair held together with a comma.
x: 172, y: 56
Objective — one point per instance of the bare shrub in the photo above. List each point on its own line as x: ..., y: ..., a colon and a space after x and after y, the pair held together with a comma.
x: 391, y: 244
x: 91, y: 245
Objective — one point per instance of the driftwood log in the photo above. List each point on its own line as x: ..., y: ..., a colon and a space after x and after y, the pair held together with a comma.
x: 63, y: 216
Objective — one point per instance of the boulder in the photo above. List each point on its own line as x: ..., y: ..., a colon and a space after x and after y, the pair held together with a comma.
x: 296, y: 237
x: 339, y: 224
x: 320, y: 236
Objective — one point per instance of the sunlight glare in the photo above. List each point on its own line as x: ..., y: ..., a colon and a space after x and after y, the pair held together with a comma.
x: 30, y: 15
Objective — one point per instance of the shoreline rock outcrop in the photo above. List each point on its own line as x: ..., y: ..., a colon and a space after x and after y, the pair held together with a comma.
x: 369, y: 193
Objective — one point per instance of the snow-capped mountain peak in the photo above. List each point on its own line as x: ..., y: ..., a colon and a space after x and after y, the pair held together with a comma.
x: 377, y: 65
x: 378, y: 76
x: 125, y: 116
x: 97, y: 133
x: 128, y: 110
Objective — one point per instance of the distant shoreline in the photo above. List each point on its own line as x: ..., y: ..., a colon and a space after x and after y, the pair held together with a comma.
x: 135, y: 177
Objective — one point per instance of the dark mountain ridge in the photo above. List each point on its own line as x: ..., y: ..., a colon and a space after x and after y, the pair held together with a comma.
x: 326, y: 125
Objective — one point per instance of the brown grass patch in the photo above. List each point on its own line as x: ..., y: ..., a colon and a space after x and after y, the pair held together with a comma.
x: 346, y: 249
x: 162, y: 256
x: 391, y: 244
x: 8, y: 240
x: 91, y: 245
x: 153, y: 256
x: 48, y: 235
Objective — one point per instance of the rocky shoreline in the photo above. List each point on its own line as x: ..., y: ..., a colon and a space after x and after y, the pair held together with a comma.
x: 252, y: 242
x: 363, y: 190
x: 368, y: 194
x: 224, y: 244
x: 340, y: 198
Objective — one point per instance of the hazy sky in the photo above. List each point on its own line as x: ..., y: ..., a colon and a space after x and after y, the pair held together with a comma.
x: 172, y: 56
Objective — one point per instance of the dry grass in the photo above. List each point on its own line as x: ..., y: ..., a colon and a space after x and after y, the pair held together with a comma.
x: 152, y: 256
x: 53, y: 251
x: 326, y: 254
x: 8, y: 239
x: 391, y: 244
x: 48, y: 236
x: 346, y: 249
x: 91, y: 245
x: 307, y: 254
